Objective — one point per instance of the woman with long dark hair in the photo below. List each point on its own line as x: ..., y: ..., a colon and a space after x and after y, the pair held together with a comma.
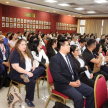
x: 39, y: 55
x: 51, y: 45
x: 84, y: 72
x: 103, y: 65
x: 103, y: 43
x: 23, y: 64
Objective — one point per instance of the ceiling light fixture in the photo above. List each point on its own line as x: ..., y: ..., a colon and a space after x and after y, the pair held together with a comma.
x: 91, y: 12
x: 79, y: 8
x: 51, y: 1
x: 54, y: 11
x: 64, y: 4
x: 73, y: 16
x: 100, y: 1
x: 7, y: 2
x: 27, y: 7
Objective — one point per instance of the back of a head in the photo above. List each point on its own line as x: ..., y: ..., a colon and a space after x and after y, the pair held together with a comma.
x: 102, y: 41
x: 82, y: 40
x: 90, y: 42
x: 59, y: 37
x: 50, y: 42
x: 61, y: 42
x: 31, y: 39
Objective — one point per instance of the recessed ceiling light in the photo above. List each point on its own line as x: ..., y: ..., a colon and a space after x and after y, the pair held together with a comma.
x: 7, y: 2
x: 54, y: 11
x: 27, y: 7
x: 79, y: 8
x: 91, y: 12
x: 80, y: 16
x: 51, y: 1
x: 64, y: 4
x: 100, y: 1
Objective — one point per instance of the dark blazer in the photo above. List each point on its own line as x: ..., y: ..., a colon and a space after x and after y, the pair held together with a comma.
x: 77, y: 65
x: 15, y: 58
x: 7, y: 53
x: 60, y: 72
x: 50, y: 52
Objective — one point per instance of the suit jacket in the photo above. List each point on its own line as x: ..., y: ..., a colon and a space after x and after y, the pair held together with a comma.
x: 7, y: 53
x: 77, y: 65
x: 60, y: 72
x: 50, y: 52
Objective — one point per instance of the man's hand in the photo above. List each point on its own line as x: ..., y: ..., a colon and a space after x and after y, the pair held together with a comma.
x: 78, y: 81
x: 75, y: 84
x: 6, y: 64
x: 91, y: 75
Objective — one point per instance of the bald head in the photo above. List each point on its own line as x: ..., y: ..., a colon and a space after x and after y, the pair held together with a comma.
x: 1, y: 39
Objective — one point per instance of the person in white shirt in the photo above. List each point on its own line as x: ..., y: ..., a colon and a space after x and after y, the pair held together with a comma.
x: 103, y: 64
x: 51, y: 35
x: 74, y: 41
x: 41, y: 60
x: 24, y: 36
x: 81, y: 45
x: 13, y: 40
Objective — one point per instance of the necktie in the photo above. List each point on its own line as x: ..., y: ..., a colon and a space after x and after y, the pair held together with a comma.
x: 69, y: 66
x: 3, y: 50
x: 81, y: 50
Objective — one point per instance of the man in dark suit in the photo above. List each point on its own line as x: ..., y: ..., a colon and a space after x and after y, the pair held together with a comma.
x: 66, y: 78
x: 4, y: 55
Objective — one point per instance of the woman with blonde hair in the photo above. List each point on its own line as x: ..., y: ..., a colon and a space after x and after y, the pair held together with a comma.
x: 22, y: 64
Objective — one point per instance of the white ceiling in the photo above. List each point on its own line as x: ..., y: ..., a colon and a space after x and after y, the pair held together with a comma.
x: 88, y: 5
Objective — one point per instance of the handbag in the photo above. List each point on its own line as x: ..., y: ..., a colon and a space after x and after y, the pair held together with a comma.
x: 42, y: 63
x: 15, y: 99
x: 60, y: 105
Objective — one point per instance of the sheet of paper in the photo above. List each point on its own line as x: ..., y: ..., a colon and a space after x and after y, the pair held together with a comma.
x: 87, y: 73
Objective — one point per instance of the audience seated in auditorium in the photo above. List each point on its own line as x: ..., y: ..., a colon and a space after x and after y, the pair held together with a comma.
x: 85, y: 73
x: 39, y: 55
x: 66, y: 78
x: 4, y: 55
x: 6, y: 39
x: 93, y: 60
x: 21, y: 62
x: 12, y: 40
x: 103, y: 65
x: 51, y: 45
